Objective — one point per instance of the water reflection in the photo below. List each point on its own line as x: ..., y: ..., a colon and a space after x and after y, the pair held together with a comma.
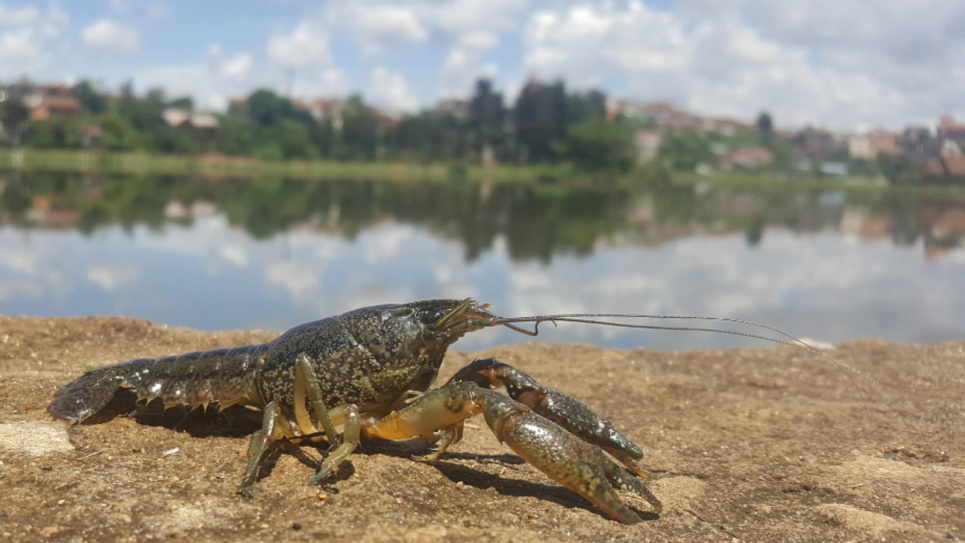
x: 273, y: 253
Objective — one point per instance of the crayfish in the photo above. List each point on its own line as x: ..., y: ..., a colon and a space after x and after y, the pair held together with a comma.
x: 366, y: 374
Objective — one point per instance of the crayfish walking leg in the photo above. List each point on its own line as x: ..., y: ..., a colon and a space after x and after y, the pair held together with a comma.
x: 566, y: 448
x: 321, y: 421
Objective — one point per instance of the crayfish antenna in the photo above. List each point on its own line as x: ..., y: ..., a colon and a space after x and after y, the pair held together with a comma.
x: 594, y: 319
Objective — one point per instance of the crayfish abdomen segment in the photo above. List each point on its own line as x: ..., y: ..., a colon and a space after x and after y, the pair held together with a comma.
x: 224, y: 376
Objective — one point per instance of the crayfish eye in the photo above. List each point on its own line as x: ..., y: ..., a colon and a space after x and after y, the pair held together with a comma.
x: 430, y: 317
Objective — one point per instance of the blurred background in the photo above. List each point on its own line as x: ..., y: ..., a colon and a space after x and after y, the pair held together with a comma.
x: 261, y: 164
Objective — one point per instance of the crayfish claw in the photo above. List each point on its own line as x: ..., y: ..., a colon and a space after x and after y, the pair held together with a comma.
x: 580, y: 466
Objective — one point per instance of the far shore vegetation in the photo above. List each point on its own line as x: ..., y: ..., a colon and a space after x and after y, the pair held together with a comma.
x: 212, y: 166
x: 549, y: 135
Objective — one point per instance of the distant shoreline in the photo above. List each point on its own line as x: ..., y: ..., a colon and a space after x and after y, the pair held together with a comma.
x: 218, y: 166
x: 222, y: 166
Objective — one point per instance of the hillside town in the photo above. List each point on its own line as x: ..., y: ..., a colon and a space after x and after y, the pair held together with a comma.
x: 537, y: 128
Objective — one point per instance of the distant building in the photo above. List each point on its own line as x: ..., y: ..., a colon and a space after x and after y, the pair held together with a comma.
x: 917, y: 142
x: 42, y: 101
x: 457, y: 107
x: 725, y: 127
x: 817, y: 143
x: 950, y: 149
x: 386, y: 119
x: 629, y: 109
x: 661, y: 112
x: 869, y: 146
x: 884, y: 142
x: 647, y: 144
x: 861, y: 147
x: 237, y: 105
x: 949, y: 169
x: 325, y: 109
x: 204, y: 124
x: 749, y: 158
x: 950, y: 128
x: 55, y: 105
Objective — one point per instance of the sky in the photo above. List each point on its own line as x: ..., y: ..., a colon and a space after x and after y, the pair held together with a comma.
x: 841, y: 64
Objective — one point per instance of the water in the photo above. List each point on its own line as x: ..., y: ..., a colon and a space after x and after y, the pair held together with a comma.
x: 824, y: 265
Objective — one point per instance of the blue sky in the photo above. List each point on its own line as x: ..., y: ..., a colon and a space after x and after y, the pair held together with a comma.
x: 836, y: 63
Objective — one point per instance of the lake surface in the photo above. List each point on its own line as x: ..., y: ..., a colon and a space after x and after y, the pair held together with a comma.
x: 824, y: 265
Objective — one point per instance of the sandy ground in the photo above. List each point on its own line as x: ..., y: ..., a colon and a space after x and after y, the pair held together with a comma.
x: 762, y: 444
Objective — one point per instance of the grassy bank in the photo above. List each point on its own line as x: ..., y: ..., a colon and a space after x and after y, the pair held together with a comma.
x: 221, y: 166
x: 227, y: 166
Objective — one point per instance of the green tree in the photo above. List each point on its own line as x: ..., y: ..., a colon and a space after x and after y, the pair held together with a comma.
x: 143, y: 115
x: 899, y: 169
x: 127, y: 90
x: 184, y: 102
x: 359, y: 130
x: 293, y: 139
x: 540, y: 120
x: 236, y: 134
x: 156, y: 95
x: 765, y: 127
x: 269, y: 151
x: 173, y: 139
x: 595, y: 145
x: 119, y: 135
x: 487, y: 117
x: 267, y: 108
x: 53, y: 133
x: 586, y: 105
x: 90, y: 100
x: 14, y: 115
x: 428, y: 137
x: 684, y: 150
x: 322, y: 135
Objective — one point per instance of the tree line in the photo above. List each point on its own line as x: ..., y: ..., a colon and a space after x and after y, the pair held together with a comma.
x: 546, y: 124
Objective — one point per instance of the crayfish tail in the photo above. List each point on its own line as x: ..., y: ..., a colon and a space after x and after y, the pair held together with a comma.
x: 84, y: 396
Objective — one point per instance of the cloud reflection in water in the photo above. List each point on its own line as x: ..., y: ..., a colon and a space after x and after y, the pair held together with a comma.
x: 210, y: 275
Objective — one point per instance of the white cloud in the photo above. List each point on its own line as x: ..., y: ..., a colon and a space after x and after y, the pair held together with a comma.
x: 109, y: 36
x: 20, y: 46
x: 210, y: 82
x: 237, y: 66
x: 463, y: 64
x: 376, y: 26
x: 468, y: 16
x: 391, y: 90
x: 823, y: 61
x: 301, y: 280
x: 18, y: 17
x: 33, y: 43
x: 54, y: 24
x: 461, y: 69
x: 307, y: 50
x: 306, y: 46
x: 217, y: 77
x: 112, y: 277
x: 470, y: 28
x: 478, y: 41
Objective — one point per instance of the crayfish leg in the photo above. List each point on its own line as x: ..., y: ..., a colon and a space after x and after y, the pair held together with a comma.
x: 274, y: 427
x: 312, y: 420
